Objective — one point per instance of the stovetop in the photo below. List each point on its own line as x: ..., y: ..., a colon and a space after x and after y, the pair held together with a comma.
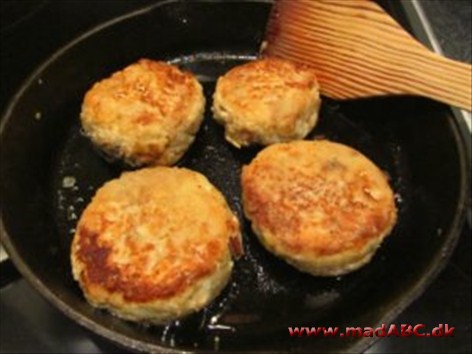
x: 31, y: 30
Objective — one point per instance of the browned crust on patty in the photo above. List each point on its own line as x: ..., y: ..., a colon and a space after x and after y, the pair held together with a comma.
x: 267, y: 101
x: 127, y: 279
x: 317, y: 199
x: 152, y: 235
x: 257, y: 80
x: 163, y: 88
x: 145, y: 114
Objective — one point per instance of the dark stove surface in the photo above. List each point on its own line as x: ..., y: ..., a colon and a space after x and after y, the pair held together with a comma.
x: 16, y: 12
x: 30, y: 30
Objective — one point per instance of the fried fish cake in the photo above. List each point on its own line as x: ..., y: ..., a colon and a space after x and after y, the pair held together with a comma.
x: 145, y: 114
x: 267, y: 101
x: 155, y: 245
x: 321, y: 206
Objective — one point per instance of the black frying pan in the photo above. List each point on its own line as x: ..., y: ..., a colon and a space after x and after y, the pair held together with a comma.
x: 416, y: 141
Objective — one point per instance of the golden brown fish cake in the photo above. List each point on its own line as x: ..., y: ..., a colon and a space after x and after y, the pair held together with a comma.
x: 145, y: 114
x: 154, y: 245
x: 267, y: 101
x: 321, y: 206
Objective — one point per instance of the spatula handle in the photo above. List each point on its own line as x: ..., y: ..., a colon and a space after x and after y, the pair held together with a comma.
x: 358, y: 50
x: 441, y: 79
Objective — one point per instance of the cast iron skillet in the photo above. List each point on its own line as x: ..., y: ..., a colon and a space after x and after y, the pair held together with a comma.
x: 417, y: 142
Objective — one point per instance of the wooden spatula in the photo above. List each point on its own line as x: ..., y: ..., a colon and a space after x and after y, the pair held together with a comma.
x: 358, y: 50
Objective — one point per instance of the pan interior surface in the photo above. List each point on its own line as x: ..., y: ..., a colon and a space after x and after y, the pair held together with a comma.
x: 50, y: 172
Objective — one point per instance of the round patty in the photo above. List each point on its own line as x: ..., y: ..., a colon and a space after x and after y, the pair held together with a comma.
x: 154, y: 245
x: 267, y: 101
x: 145, y: 114
x: 321, y: 206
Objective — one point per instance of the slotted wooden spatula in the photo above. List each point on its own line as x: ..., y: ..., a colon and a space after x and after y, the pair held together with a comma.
x: 358, y: 50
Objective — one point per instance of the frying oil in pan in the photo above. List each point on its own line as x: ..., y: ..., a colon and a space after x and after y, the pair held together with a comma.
x: 263, y: 289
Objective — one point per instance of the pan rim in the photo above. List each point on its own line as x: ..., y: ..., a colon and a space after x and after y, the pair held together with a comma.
x: 120, y: 339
